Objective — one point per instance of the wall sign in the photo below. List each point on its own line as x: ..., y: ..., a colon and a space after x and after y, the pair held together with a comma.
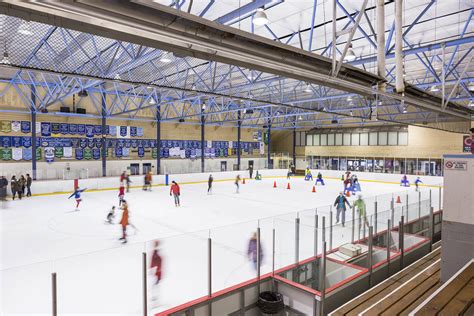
x: 466, y: 144
x: 455, y: 165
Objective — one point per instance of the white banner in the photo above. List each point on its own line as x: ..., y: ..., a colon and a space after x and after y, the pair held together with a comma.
x: 17, y: 154
x: 262, y: 148
x: 67, y: 152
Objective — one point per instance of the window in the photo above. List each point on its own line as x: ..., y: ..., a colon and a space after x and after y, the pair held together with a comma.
x: 303, y: 138
x: 330, y: 139
x: 364, y: 139
x: 317, y: 140
x: 309, y: 140
x: 298, y: 140
x: 338, y: 140
x: 373, y: 139
x: 355, y: 139
x: 402, y: 138
x: 383, y: 138
x: 347, y: 139
x: 392, y: 138
x: 324, y: 139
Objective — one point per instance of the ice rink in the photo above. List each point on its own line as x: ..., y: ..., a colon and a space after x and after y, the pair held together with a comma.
x: 97, y: 274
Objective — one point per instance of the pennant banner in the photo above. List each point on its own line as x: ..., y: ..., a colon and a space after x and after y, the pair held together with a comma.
x: 27, y: 153
x: 58, y: 152
x: 5, y: 126
x: 5, y: 141
x: 67, y: 152
x: 64, y: 128
x: 6, y: 154
x: 73, y: 129
x: 16, y: 141
x: 140, y: 131
x: 45, y: 129
x: 16, y: 126
x: 25, y: 127
x: 79, y: 153
x: 141, y: 152
x: 17, y: 154
x: 49, y: 154
x: 55, y: 128
x: 89, y: 131
x: 96, y: 153
x: 88, y: 153
x: 81, y: 129
x: 133, y: 131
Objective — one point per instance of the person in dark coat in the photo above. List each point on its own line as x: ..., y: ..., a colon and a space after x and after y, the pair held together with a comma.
x: 209, y: 184
x: 29, y: 180
x: 14, y: 187
x: 340, y: 205
x: 22, y: 184
x: 3, y: 188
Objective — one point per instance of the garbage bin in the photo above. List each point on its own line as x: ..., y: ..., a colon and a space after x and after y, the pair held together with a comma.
x: 270, y: 303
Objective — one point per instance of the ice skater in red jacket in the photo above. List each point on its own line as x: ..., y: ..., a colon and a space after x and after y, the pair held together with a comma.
x: 121, y: 194
x: 156, y: 262
x: 175, y: 191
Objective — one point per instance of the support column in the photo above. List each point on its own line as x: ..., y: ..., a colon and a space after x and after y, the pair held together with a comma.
x: 239, y: 126
x: 381, y: 41
x: 158, y: 139
x: 33, y: 132
x: 104, y: 135
x: 399, y: 84
x: 202, y: 138
x: 269, y: 130
x: 294, y: 147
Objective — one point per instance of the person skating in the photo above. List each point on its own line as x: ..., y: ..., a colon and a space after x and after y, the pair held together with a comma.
x: 359, y: 204
x: 29, y: 181
x: 237, y: 183
x: 156, y: 263
x: 14, y: 187
x: 111, y: 215
x: 340, y: 205
x: 147, y: 185
x: 319, y: 179
x: 77, y: 196
x: 253, y: 253
x: 404, y: 182
x: 355, y: 183
x: 124, y: 222
x: 258, y: 176
x: 308, y: 176
x: 175, y: 192
x: 121, y: 194
x: 127, y: 182
x: 209, y: 184
x: 288, y: 174
x: 3, y: 188
x: 123, y: 176
x: 250, y: 171
x: 417, y: 183
x: 22, y: 184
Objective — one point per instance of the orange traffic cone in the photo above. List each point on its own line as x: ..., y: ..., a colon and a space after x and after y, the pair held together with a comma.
x: 274, y: 184
x: 398, y: 199
x: 314, y: 189
x: 243, y: 181
x: 348, y: 193
x: 288, y: 186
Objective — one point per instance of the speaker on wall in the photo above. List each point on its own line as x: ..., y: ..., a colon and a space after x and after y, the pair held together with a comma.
x: 80, y: 111
x: 64, y: 109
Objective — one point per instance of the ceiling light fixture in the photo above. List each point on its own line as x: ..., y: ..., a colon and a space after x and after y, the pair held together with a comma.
x: 260, y: 18
x: 152, y: 101
x: 350, y: 55
x: 351, y: 113
x: 166, y: 57
x: 307, y: 88
x: 300, y: 117
x: 6, y: 59
x: 434, y: 88
x: 117, y: 77
x: 25, y: 28
x: 470, y: 86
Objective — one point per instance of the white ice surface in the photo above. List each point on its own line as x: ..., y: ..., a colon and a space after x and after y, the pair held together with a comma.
x: 97, y: 275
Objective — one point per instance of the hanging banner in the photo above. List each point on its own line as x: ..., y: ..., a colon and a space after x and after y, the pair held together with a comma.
x: 81, y: 129
x: 262, y: 148
x: 7, y: 154
x: 134, y: 143
x: 153, y: 143
x: 126, y: 152
x: 38, y: 127
x: 49, y: 154
x: 90, y: 142
x: 67, y: 152
x: 118, y: 152
x: 75, y: 142
x: 133, y: 131
x: 64, y: 128
x: 79, y: 153
x: 17, y: 154
x: 127, y: 143
x: 58, y: 152
x: 140, y: 131
x: 98, y: 142
x: 73, y: 129
x: 95, y: 153
x: 16, y: 126
x: 209, y: 144
x: 45, y: 129
x: 154, y: 153
x: 259, y: 136
x: 88, y: 153
x: 27, y: 153
x: 89, y: 130
x: 141, y: 152
x: 82, y: 142
x: 113, y: 130
x: 5, y: 126
x: 43, y: 141
x: 5, y: 141
x: 55, y: 128
x: 38, y: 153
x: 16, y: 141
x: 124, y: 131
x: 230, y: 144
x: 146, y: 143
x: 98, y: 130
x: 25, y: 127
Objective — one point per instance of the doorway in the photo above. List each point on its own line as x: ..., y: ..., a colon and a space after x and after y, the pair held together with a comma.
x: 134, y: 169
x: 146, y: 168
x: 223, y: 166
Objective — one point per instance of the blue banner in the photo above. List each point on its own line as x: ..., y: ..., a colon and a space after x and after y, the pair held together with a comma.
x: 49, y: 154
x: 140, y: 131
x: 90, y: 143
x: 96, y: 153
x: 123, y: 131
x: 113, y: 130
x: 141, y: 152
x: 98, y: 130
x: 73, y: 129
x: 5, y: 141
x: 134, y: 143
x: 118, y: 152
x: 90, y: 131
x: 74, y: 142
x: 26, y: 141
x: 79, y: 153
x: 55, y: 128
x: 98, y: 142
x: 44, y: 141
x: 82, y: 142
x: 25, y: 127
x: 81, y: 129
x: 64, y: 128
x: 133, y: 131
x: 45, y: 129
x: 27, y: 153
x: 153, y: 143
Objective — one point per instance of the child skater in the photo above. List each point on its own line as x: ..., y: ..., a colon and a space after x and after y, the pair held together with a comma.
x: 417, y: 182
x: 319, y: 179
x: 308, y: 176
x: 121, y: 194
x: 111, y: 215
x: 288, y: 174
x: 405, y: 182
x: 175, y: 191
x: 252, y: 253
x: 77, y: 195
x: 124, y: 222
x: 209, y: 184
x: 237, y: 182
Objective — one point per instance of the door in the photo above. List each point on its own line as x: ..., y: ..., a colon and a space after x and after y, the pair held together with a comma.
x: 146, y: 168
x: 223, y: 165
x: 134, y: 169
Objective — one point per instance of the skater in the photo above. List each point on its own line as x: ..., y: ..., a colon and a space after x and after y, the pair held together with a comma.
x: 250, y: 171
x: 340, y: 204
x: 355, y: 183
x: 209, y: 184
x: 156, y: 262
x: 417, y: 183
x: 258, y: 176
x: 128, y: 181
x: 147, y: 185
x: 405, y: 182
x: 308, y: 176
x: 111, y: 215
x: 252, y: 252
x: 359, y: 204
x: 22, y: 184
x: 77, y: 195
x: 29, y: 181
x: 3, y: 188
x: 348, y: 174
x: 14, y: 186
x: 124, y: 222
x: 347, y: 185
x: 319, y: 179
x: 175, y: 191
x: 121, y: 194
x: 288, y: 174
x: 237, y: 183
x: 123, y: 176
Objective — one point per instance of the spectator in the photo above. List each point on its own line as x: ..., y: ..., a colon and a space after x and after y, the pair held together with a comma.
x: 29, y: 180
x: 3, y: 188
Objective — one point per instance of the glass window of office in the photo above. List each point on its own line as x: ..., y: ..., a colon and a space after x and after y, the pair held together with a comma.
x: 347, y: 139
x: 383, y: 139
x: 309, y: 140
x: 364, y: 139
x: 324, y: 139
x: 373, y: 139
x: 392, y: 138
x: 330, y: 139
x: 355, y: 139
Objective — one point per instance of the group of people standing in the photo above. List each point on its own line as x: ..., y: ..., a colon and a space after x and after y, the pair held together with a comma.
x: 19, y: 186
